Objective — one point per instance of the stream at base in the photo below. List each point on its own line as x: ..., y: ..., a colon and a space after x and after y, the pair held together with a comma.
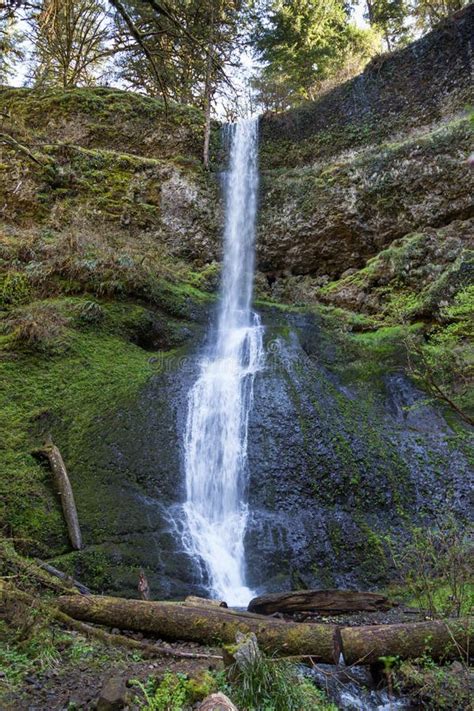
x: 353, y: 689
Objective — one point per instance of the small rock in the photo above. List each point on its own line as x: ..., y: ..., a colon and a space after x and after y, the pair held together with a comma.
x: 114, y: 695
x: 217, y: 702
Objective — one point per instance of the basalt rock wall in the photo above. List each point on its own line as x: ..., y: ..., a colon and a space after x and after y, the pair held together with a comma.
x: 415, y: 86
x: 380, y: 157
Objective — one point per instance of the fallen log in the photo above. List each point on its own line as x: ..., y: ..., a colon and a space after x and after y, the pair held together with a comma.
x: 114, y: 640
x: 58, y: 468
x: 331, y: 601
x: 194, y: 601
x: 439, y: 639
x: 63, y: 576
x: 208, y: 625
x: 30, y: 569
x: 9, y: 593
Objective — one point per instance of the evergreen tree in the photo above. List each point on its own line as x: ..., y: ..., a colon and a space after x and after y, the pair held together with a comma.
x: 304, y: 42
x: 428, y: 13
x: 11, y: 51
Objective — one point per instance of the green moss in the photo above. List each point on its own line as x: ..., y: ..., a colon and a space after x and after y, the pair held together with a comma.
x: 283, y: 153
x: 107, y: 117
x: 15, y: 289
x: 61, y: 396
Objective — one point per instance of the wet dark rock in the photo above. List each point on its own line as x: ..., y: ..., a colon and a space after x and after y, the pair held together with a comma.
x: 335, y: 464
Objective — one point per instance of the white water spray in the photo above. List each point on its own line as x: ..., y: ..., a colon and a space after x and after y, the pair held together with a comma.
x: 220, y: 400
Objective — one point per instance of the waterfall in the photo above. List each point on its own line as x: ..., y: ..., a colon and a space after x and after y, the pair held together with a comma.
x: 220, y: 400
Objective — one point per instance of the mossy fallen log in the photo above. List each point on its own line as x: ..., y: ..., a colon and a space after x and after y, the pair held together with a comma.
x: 58, y: 468
x: 208, y: 625
x: 12, y: 595
x: 438, y: 639
x: 331, y: 601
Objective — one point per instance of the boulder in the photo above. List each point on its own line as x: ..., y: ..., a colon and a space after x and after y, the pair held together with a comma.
x: 114, y: 695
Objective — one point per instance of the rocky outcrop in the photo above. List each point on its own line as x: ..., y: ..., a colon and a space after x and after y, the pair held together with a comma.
x: 420, y: 272
x: 104, y: 118
x: 343, y: 450
x: 375, y: 159
x: 327, y: 218
x: 414, y: 278
x: 113, y: 162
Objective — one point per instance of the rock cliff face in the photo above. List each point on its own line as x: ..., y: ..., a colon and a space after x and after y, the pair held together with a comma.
x: 109, y: 162
x: 108, y: 240
x: 371, y: 161
x: 415, y: 87
x: 343, y: 451
x: 328, y: 217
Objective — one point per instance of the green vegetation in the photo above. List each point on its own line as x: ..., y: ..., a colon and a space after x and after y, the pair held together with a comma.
x: 435, y: 567
x: 291, y: 37
x: 261, y: 682
x: 176, y: 692
x: 257, y: 684
x: 100, y: 117
x: 87, y: 372
x: 440, y: 688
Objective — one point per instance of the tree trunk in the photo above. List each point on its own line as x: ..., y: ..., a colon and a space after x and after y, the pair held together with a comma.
x: 65, y: 491
x: 208, y: 95
x: 331, y: 601
x: 207, y: 625
x: 438, y: 638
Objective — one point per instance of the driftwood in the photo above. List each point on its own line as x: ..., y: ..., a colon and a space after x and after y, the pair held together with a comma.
x: 194, y: 601
x: 207, y: 625
x: 438, y: 638
x: 52, y: 453
x: 332, y: 601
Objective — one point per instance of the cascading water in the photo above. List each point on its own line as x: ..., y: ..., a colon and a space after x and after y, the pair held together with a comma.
x: 220, y: 400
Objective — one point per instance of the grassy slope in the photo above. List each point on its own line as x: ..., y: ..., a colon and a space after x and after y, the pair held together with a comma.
x: 76, y: 289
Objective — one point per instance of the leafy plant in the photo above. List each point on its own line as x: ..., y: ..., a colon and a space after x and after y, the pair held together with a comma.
x: 170, y: 694
x: 442, y: 363
x: 38, y: 327
x: 436, y: 566
x: 89, y: 312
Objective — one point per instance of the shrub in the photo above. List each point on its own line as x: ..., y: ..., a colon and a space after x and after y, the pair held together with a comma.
x: 14, y: 289
x: 442, y: 363
x: 39, y: 327
x: 171, y: 694
x: 260, y: 682
x: 434, y: 686
x: 436, y: 566
x: 89, y: 312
